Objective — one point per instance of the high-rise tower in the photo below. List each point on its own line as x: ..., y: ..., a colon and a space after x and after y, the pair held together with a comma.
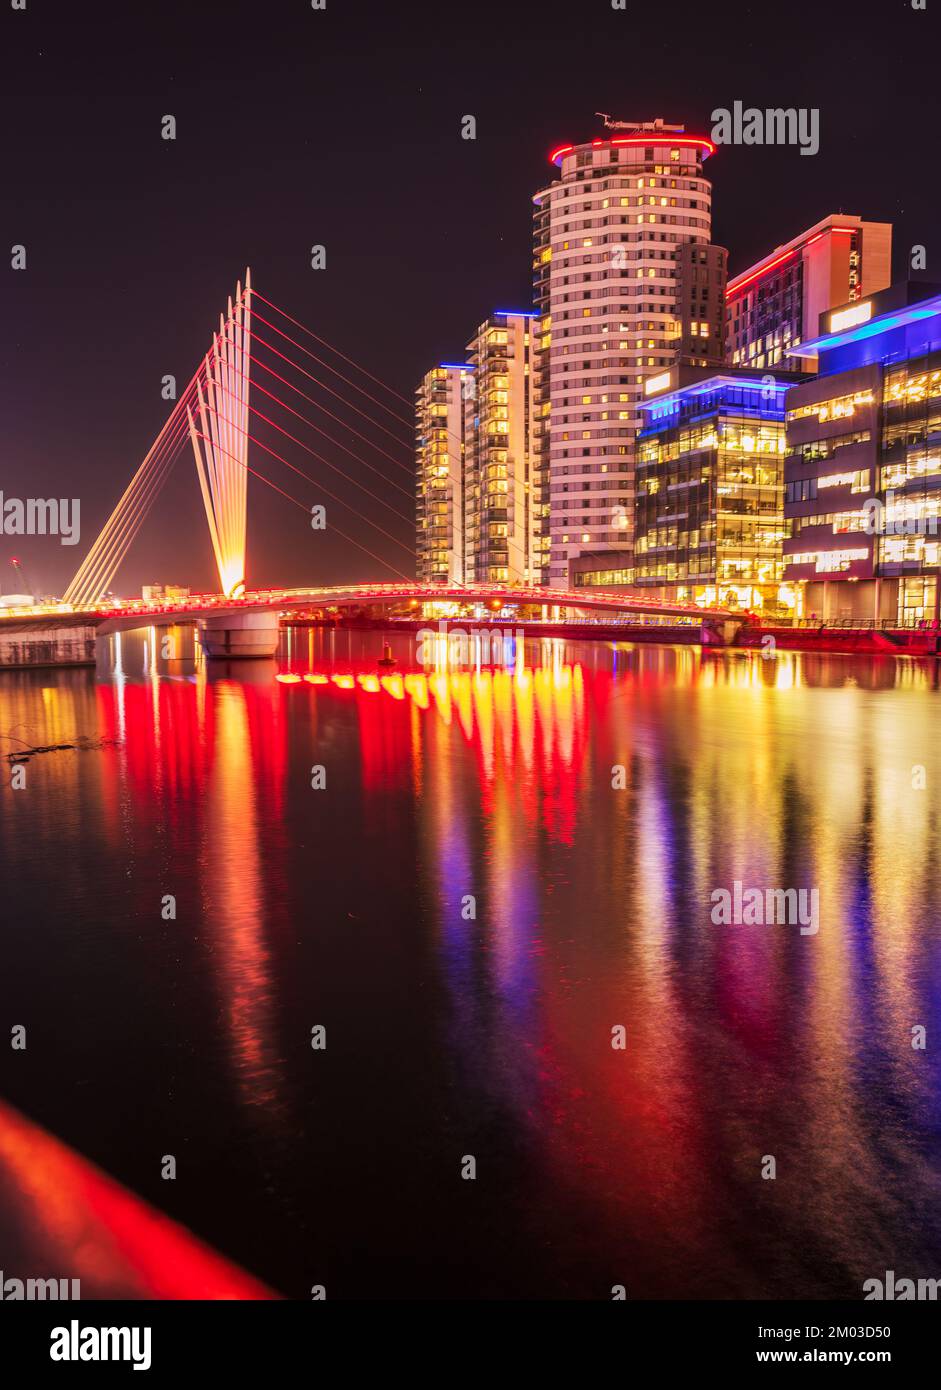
x: 439, y: 482
x: 498, y: 515
x: 606, y: 238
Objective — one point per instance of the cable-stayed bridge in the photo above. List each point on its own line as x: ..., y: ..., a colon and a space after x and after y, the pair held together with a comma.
x: 259, y: 350
x: 216, y: 417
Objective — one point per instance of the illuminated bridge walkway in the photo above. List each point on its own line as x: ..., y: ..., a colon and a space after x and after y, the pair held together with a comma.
x: 249, y: 624
x: 388, y: 596
x: 120, y: 615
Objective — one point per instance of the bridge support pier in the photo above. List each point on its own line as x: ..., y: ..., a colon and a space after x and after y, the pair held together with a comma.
x: 720, y: 634
x: 240, y: 635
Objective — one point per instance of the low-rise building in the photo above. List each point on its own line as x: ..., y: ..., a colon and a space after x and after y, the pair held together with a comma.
x: 163, y: 593
x: 709, y: 512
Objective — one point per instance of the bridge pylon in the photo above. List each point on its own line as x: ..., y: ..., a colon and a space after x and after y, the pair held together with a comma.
x: 220, y: 443
x: 218, y: 392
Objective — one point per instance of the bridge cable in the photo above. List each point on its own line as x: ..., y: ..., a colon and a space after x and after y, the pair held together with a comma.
x: 271, y: 371
x: 154, y: 465
x: 316, y: 455
x: 303, y: 327
x: 366, y: 551
x: 396, y: 439
x: 332, y: 495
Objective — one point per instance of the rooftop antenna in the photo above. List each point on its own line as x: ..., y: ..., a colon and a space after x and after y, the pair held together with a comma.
x: 658, y: 124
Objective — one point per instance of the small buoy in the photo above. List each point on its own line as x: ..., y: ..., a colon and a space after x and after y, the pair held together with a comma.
x: 387, y: 659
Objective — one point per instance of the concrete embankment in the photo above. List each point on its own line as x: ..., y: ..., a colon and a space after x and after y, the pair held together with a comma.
x: 69, y: 641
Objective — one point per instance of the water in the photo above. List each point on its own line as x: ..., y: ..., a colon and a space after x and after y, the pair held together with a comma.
x: 489, y: 1037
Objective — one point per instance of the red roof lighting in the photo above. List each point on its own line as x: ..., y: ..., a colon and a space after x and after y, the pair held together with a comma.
x: 734, y: 286
x: 654, y: 137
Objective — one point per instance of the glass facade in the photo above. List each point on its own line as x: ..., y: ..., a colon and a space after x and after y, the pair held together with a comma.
x: 910, y: 472
x: 871, y: 467
x: 767, y: 319
x: 709, y: 514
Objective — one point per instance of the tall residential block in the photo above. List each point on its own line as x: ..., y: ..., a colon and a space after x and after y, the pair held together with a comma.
x: 499, y: 527
x: 774, y: 305
x: 439, y: 473
x: 608, y: 236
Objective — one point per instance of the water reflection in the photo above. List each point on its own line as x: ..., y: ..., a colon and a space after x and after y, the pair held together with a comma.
x: 231, y: 881
x: 508, y: 863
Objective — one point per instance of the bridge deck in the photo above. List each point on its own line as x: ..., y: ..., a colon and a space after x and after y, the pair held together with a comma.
x: 358, y: 595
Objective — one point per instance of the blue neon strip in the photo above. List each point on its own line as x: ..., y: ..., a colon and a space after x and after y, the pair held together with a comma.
x: 897, y: 318
x: 713, y: 384
x: 462, y: 366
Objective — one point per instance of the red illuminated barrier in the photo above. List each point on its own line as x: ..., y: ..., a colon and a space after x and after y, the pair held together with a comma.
x: 62, y: 1218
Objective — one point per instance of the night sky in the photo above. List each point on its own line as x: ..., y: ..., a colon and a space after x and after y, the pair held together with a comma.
x: 343, y: 127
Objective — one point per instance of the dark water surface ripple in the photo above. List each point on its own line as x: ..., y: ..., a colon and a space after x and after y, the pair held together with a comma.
x: 490, y: 1036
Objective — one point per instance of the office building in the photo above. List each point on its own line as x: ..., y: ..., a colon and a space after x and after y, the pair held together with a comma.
x: 709, y: 514
x: 863, y: 463
x: 776, y: 304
